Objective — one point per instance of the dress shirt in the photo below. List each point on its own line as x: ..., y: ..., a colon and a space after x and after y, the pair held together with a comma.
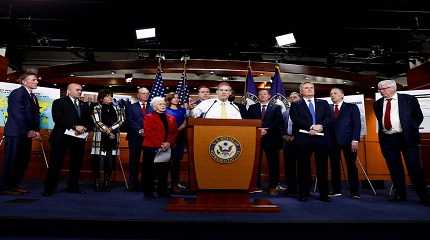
x: 215, y: 111
x: 394, y: 115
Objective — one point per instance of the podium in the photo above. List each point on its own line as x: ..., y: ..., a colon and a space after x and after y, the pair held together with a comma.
x: 223, y: 156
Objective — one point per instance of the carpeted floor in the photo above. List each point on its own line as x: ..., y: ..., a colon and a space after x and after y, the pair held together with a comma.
x: 119, y: 211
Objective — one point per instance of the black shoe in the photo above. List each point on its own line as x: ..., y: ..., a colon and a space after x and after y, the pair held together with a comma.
x: 324, y: 199
x: 302, y: 198
x: 11, y: 192
x: 47, y: 194
x: 397, y: 198
x: 71, y: 190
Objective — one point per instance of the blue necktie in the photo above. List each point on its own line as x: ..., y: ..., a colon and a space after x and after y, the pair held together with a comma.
x: 312, y: 110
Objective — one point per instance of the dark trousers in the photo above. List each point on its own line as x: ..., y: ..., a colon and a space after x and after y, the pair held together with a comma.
x: 392, y: 146
x: 290, y: 158
x: 60, y: 146
x: 272, y: 155
x: 177, y: 155
x: 105, y: 163
x: 335, y: 165
x: 305, y: 150
x: 17, y: 156
x: 152, y: 172
x: 134, y: 154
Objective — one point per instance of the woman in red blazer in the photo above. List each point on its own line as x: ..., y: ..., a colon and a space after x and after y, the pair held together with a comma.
x: 159, y: 135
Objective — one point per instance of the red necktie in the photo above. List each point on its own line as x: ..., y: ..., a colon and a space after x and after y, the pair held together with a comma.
x: 387, y: 116
x: 336, y: 111
x: 263, y: 111
x: 143, y: 109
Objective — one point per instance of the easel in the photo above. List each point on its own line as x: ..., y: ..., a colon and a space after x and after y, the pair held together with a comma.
x: 344, y: 175
x: 41, y: 146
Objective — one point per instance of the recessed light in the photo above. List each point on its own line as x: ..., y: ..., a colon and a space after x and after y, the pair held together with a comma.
x: 372, y: 87
x: 261, y: 74
x: 72, y: 75
x: 212, y: 72
x: 113, y: 72
x: 344, y: 82
x: 110, y: 85
x: 225, y: 78
x: 357, y: 92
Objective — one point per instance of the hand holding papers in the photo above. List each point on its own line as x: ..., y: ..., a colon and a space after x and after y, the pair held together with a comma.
x: 311, y: 132
x: 73, y: 133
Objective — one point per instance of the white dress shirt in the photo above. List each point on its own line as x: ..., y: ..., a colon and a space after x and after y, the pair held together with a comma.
x: 211, y: 109
x: 394, y: 115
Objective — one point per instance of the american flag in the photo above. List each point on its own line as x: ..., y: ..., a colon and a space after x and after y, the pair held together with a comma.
x: 182, y: 89
x: 157, y: 89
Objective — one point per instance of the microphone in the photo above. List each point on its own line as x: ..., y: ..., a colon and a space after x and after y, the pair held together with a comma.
x: 235, y: 107
x: 204, y: 115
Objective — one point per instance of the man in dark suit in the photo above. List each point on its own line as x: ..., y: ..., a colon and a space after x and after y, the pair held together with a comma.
x: 290, y: 149
x: 345, y: 127
x: 271, y: 142
x: 21, y: 127
x: 69, y: 113
x: 134, y: 118
x: 310, y: 118
x: 399, y: 117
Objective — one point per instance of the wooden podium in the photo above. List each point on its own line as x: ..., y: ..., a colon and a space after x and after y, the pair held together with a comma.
x: 223, y: 156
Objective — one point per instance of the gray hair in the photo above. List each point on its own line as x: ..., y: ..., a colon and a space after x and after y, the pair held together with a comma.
x: 156, y: 100
x: 387, y: 83
x: 303, y: 83
x: 339, y: 89
x: 142, y: 89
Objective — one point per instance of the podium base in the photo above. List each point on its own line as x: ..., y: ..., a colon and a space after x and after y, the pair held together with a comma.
x: 221, y: 201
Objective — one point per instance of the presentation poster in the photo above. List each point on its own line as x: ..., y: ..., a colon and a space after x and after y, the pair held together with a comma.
x: 423, y: 97
x: 359, y: 101
x: 45, y: 97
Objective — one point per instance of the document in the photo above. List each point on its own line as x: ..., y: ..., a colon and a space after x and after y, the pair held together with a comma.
x: 307, y: 132
x: 72, y: 133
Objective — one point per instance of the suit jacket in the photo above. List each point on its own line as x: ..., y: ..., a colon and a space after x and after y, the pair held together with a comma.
x: 410, y: 115
x: 66, y: 117
x: 155, y: 132
x: 134, y: 119
x: 347, y: 126
x: 23, y: 113
x: 302, y: 119
x: 272, y: 120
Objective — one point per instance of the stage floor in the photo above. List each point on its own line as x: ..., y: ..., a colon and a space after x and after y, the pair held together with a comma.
x: 120, y: 212
x: 120, y: 205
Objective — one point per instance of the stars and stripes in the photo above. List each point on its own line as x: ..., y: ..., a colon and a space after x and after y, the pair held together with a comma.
x: 157, y: 89
x: 182, y: 89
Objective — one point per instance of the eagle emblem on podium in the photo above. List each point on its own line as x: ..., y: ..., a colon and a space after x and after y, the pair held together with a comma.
x: 225, y: 149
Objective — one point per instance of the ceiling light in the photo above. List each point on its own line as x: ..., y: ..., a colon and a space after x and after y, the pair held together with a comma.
x: 225, y: 78
x: 212, y: 72
x: 113, y: 72
x: 72, y: 75
x: 145, y: 33
x: 285, y: 39
x: 261, y: 74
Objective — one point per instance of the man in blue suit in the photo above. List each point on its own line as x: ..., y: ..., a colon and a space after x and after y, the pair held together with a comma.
x: 345, y: 127
x: 310, y: 117
x: 399, y: 117
x: 271, y: 142
x: 134, y: 119
x: 21, y: 127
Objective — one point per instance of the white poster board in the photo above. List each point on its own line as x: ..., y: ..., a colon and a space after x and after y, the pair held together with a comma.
x: 423, y: 97
x: 359, y: 101
x: 45, y: 97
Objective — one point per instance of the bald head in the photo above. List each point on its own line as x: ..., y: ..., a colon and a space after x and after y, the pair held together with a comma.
x: 143, y: 94
x: 74, y: 90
